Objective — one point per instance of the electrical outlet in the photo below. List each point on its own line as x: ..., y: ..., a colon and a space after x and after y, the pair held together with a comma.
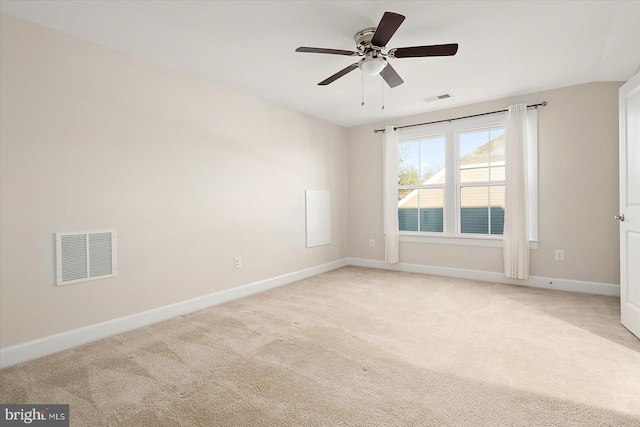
x: 372, y: 243
x: 559, y: 255
x: 237, y: 262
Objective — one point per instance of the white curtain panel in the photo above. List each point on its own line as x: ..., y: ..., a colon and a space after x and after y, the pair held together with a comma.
x: 516, y: 221
x: 390, y: 197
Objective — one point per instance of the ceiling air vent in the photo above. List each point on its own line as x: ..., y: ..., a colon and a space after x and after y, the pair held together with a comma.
x: 437, y: 97
x: 85, y: 256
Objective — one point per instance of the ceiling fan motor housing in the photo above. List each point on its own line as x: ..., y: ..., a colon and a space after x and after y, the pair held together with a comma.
x: 363, y: 40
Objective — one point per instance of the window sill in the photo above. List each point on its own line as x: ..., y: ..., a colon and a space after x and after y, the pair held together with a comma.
x: 495, y: 242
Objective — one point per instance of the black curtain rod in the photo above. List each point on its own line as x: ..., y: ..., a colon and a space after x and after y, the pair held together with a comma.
x: 542, y: 104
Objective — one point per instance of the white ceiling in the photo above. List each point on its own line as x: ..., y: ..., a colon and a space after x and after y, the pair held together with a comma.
x: 506, y: 47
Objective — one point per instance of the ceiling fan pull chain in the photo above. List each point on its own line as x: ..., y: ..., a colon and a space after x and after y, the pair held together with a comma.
x: 382, y: 89
x: 362, y: 87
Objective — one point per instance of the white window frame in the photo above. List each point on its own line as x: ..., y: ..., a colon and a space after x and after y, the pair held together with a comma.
x: 451, y: 216
x: 460, y: 184
x: 428, y: 186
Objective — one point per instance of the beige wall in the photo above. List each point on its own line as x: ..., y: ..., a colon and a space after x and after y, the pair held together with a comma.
x: 578, y: 188
x: 190, y: 174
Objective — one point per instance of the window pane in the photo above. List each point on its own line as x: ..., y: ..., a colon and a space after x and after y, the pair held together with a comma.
x: 408, y: 204
x: 474, y: 210
x: 474, y: 156
x: 497, y: 173
x: 479, y: 152
x: 496, y: 195
x: 432, y: 160
x: 476, y: 174
x: 409, y: 163
x: 404, y: 193
x: 431, y: 210
x: 497, y: 154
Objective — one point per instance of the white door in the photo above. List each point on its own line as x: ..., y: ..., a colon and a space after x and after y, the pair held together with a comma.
x: 629, y: 216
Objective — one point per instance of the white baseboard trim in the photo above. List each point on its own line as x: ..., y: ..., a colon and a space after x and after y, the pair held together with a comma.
x: 597, y: 288
x: 65, y: 340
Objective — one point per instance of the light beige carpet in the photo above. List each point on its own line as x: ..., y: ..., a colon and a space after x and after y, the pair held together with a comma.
x: 357, y: 347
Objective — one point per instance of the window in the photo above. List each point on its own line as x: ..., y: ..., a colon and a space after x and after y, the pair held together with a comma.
x: 451, y: 180
x: 421, y: 179
x: 481, y: 181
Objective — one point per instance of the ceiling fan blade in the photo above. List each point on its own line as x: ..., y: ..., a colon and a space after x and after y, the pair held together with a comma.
x: 386, y: 28
x: 422, y: 51
x: 329, y: 51
x: 339, y: 74
x: 390, y: 76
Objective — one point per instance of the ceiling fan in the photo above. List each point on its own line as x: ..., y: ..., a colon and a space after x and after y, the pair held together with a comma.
x: 370, y: 45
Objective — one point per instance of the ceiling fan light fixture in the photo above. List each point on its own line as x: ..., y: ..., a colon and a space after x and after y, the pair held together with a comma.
x: 372, y: 65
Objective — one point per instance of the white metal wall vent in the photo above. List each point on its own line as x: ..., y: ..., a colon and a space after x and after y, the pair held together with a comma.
x: 85, y: 256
